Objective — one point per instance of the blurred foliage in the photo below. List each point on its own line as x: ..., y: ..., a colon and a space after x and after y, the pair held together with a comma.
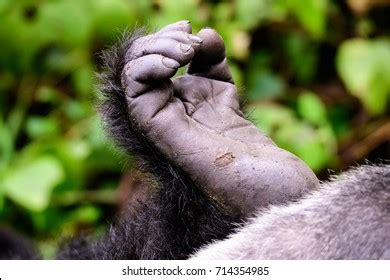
x: 316, y: 75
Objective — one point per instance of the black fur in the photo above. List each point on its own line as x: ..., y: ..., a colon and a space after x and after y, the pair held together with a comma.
x: 14, y: 246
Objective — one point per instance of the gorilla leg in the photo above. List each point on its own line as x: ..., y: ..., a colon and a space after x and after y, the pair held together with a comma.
x: 211, y: 166
x: 179, y: 216
x: 195, y: 121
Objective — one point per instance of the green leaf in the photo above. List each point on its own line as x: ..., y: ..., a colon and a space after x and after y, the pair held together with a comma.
x: 311, y: 108
x: 41, y: 127
x: 237, y: 75
x: 78, y: 149
x: 4, y: 4
x: 264, y: 84
x: 364, y: 67
x: 67, y: 22
x: 311, y: 14
x: 47, y: 94
x: 269, y: 117
x: 6, y: 145
x: 112, y: 16
x: 251, y: 12
x: 31, y: 184
x: 302, y: 56
x: 86, y: 214
x: 15, y: 35
x: 314, y: 146
x: 83, y: 80
x: 76, y: 110
x: 1, y: 201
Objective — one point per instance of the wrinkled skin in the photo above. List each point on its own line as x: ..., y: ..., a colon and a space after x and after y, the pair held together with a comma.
x: 196, y: 122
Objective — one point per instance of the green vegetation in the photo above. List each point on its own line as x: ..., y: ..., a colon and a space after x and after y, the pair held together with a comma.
x: 316, y: 75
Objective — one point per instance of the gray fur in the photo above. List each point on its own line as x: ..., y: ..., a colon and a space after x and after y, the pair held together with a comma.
x: 347, y: 218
